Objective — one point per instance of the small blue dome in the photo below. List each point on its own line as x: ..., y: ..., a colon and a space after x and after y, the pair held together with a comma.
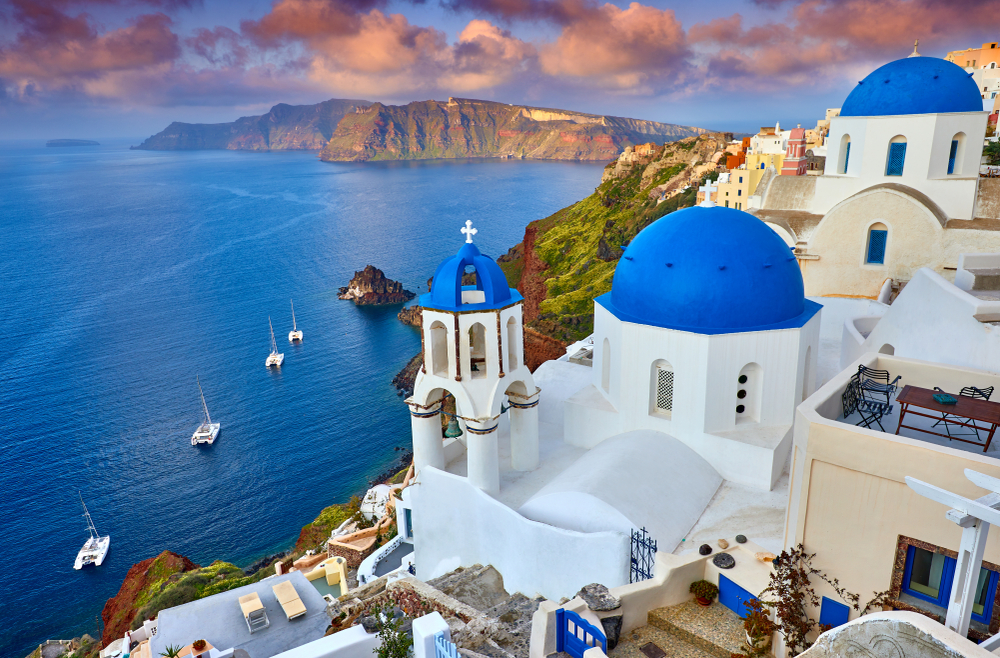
x: 446, y: 288
x: 914, y: 85
x: 710, y: 271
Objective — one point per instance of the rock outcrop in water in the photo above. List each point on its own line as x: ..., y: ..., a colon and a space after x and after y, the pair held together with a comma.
x: 140, y: 581
x: 465, y: 128
x: 284, y: 128
x: 370, y: 287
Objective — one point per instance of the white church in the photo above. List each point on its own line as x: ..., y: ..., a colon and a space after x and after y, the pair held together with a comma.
x: 703, y: 349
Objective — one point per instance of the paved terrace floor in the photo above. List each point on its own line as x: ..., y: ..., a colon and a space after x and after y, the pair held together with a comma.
x: 219, y: 620
x: 891, y: 421
x: 394, y: 559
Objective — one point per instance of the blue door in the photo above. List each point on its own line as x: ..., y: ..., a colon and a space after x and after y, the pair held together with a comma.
x: 733, y: 596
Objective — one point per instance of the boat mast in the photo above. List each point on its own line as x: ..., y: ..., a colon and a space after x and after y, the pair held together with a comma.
x: 90, y: 522
x: 208, y: 419
x: 274, y: 345
x: 294, y: 328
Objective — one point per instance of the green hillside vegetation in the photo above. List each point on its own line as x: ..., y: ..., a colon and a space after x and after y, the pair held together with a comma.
x: 580, y: 245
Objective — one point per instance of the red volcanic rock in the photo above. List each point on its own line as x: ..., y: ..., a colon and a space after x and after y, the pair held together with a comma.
x: 370, y: 287
x: 120, y: 610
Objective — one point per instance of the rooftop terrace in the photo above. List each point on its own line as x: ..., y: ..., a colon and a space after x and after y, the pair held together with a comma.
x: 219, y: 620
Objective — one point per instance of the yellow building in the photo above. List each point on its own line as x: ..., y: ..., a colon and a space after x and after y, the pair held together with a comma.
x: 734, y: 188
x: 986, y: 56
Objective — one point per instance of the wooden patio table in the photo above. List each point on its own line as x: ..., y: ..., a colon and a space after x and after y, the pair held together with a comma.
x: 972, y: 408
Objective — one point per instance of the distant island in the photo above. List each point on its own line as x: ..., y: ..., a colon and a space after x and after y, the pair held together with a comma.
x: 357, y: 131
x: 72, y: 142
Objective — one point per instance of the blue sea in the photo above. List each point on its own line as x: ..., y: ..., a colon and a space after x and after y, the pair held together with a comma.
x: 126, y: 274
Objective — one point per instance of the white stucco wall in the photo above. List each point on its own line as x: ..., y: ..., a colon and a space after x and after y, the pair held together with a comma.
x: 933, y: 320
x: 706, y: 370
x: 928, y: 144
x: 667, y: 488
x: 533, y: 557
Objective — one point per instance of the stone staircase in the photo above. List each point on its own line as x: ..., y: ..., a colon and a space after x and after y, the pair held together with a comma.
x: 715, y: 630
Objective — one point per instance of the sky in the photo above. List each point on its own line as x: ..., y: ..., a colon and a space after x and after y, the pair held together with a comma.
x: 127, y: 68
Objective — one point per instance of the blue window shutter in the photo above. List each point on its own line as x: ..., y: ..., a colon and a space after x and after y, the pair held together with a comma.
x: 847, y: 157
x: 833, y: 613
x: 876, y: 246
x: 951, y: 156
x: 739, y: 192
x: 897, y: 154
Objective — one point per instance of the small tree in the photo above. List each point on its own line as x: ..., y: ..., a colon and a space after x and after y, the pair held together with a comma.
x: 992, y: 153
x: 791, y: 595
x: 393, y: 643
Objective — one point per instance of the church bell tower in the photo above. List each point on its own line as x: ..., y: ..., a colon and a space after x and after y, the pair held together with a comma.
x: 473, y: 349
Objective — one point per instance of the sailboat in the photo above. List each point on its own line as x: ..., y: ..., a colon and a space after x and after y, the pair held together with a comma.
x: 208, y: 430
x: 296, y: 333
x: 96, y: 548
x: 275, y: 358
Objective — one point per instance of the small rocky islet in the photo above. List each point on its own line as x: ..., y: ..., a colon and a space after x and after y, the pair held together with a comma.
x: 370, y: 287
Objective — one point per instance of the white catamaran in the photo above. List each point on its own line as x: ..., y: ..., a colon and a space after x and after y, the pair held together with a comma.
x: 96, y: 548
x: 275, y: 358
x: 296, y: 333
x: 208, y: 430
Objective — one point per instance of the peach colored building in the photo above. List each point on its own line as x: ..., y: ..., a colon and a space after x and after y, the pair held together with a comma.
x: 985, y: 57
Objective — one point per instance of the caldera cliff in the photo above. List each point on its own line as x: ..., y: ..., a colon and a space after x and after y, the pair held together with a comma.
x: 466, y: 128
x: 284, y: 128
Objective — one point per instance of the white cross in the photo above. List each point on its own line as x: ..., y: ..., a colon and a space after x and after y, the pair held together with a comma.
x: 708, y: 188
x: 469, y: 231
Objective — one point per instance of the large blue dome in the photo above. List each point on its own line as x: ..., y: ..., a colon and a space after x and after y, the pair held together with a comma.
x: 709, y: 270
x: 914, y: 85
x: 447, y: 291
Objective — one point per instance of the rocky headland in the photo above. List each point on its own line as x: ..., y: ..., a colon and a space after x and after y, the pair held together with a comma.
x: 284, y: 128
x: 567, y: 259
x: 370, y: 287
x: 466, y: 128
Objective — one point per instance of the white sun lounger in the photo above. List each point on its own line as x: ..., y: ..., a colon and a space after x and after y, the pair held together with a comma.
x: 254, y: 612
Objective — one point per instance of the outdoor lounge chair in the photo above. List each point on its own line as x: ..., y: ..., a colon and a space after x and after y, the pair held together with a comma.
x: 967, y: 392
x: 254, y: 612
x: 871, y: 411
x: 876, y: 383
x: 289, y: 600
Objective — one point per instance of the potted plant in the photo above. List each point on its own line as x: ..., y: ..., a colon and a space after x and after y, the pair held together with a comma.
x: 704, y: 592
x: 197, y: 647
x: 758, y: 625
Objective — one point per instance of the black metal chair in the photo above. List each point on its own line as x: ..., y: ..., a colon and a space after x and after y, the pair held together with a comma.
x: 876, y: 383
x: 967, y: 392
x: 871, y: 411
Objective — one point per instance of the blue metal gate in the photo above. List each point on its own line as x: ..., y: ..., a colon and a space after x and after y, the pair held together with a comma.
x: 574, y: 635
x: 443, y: 647
x: 733, y: 596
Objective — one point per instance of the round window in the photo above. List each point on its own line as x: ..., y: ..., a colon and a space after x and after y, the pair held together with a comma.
x: 741, y: 394
x: 743, y: 379
x: 740, y: 408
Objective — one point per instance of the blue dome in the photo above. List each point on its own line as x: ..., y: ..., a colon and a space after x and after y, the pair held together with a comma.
x: 446, y: 289
x: 914, y: 85
x: 710, y: 271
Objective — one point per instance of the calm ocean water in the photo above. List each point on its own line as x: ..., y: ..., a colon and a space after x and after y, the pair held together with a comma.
x: 126, y: 273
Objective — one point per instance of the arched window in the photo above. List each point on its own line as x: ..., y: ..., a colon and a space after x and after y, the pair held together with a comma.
x: 477, y: 351
x: 748, y: 393
x: 878, y: 239
x: 896, y: 157
x: 956, y: 153
x: 512, y: 342
x: 439, y: 349
x: 606, y: 366
x: 845, y: 154
x: 887, y: 349
x: 661, y: 388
